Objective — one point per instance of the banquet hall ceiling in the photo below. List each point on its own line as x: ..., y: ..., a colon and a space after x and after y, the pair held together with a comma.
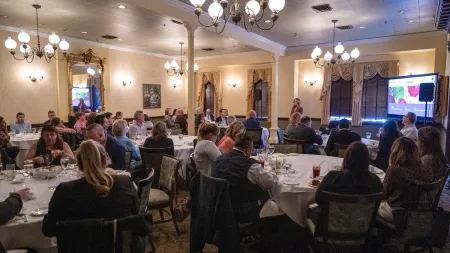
x: 138, y: 29
x: 379, y: 18
x: 144, y: 30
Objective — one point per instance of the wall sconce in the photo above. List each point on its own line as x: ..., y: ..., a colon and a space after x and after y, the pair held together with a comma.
x: 232, y: 83
x: 176, y: 83
x: 125, y: 83
x: 310, y: 82
x: 39, y: 77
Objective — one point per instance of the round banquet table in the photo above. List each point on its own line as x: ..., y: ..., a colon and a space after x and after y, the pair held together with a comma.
x: 293, y: 193
x: 24, y: 142
x: 20, y: 234
x: 372, y: 145
x: 183, y: 149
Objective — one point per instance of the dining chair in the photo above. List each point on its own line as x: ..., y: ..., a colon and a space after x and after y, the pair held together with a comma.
x: 128, y: 155
x: 195, y: 142
x: 301, y: 145
x: 143, y: 192
x: 222, y: 131
x: 165, y: 195
x: 280, y: 135
x: 286, y: 148
x: 255, y: 134
x: 345, y: 223
x: 152, y: 159
x: 191, y: 170
x: 176, y: 131
x: 339, y: 150
x: 177, y: 126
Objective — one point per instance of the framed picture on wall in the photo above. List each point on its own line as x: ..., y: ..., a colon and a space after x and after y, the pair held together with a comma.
x: 151, y: 95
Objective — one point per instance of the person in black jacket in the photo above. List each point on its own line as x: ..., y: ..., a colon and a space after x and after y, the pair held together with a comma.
x: 248, y: 180
x: 387, y: 138
x: 12, y: 205
x: 252, y: 122
x: 159, y: 138
x: 305, y: 132
x: 97, y: 195
x: 222, y: 119
x: 344, y: 136
x: 114, y: 148
x: 354, y: 179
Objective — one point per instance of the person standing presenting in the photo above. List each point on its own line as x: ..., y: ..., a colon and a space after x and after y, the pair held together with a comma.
x: 296, y: 107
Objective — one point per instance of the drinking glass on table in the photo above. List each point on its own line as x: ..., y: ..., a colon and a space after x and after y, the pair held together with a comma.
x: 46, y: 160
x: 287, y: 167
x: 64, y: 161
x: 262, y: 156
x: 180, y: 136
x: 52, y: 183
x: 28, y: 166
x: 271, y: 149
x: 368, y: 135
x: 169, y: 131
x: 316, y: 171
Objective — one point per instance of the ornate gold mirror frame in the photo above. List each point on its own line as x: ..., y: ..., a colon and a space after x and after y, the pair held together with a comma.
x: 87, y: 58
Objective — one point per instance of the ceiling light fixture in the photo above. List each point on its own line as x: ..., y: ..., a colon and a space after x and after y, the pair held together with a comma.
x: 177, y: 70
x: 339, y: 56
x: 121, y: 6
x: 401, y: 11
x: 83, y: 32
x: 119, y: 39
x: 409, y: 21
x: 268, y: 21
x: 250, y: 12
x: 362, y: 27
x: 28, y: 52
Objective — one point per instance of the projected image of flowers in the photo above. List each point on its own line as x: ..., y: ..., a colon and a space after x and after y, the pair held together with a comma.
x: 404, y: 96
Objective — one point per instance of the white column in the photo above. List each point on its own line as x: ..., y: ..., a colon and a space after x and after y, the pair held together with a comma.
x: 191, y: 79
x: 274, y: 116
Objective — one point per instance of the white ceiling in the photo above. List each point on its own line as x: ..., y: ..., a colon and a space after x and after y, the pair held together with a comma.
x: 379, y: 17
x: 138, y: 29
x: 144, y: 30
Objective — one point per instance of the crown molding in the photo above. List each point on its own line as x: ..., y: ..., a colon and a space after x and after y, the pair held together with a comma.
x: 222, y: 56
x: 427, y: 34
x: 185, y: 12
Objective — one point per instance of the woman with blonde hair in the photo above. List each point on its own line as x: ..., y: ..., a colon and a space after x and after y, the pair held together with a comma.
x: 294, y: 121
x: 120, y: 130
x: 206, y: 151
x: 231, y: 119
x: 297, y: 106
x: 97, y: 195
x: 159, y: 138
x: 226, y: 144
x: 404, y: 168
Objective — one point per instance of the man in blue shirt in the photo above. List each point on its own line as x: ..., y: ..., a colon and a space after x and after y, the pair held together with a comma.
x: 20, y: 126
x: 252, y: 122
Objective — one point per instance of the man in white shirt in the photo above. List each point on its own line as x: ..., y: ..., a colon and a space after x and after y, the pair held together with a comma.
x: 208, y: 115
x: 249, y: 181
x: 409, y: 130
x: 138, y: 127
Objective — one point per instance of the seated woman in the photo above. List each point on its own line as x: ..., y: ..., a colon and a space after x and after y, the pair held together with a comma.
x: 10, y: 151
x: 431, y: 151
x: 159, y: 138
x: 404, y: 167
x: 389, y: 135
x: 168, y: 118
x: 199, y: 119
x: 354, y: 179
x: 226, y: 144
x: 81, y: 123
x: 119, y: 130
x: 294, y: 121
x: 206, y: 151
x: 60, y: 127
x: 91, y: 119
x: 97, y: 195
x: 49, y: 148
x: 231, y: 119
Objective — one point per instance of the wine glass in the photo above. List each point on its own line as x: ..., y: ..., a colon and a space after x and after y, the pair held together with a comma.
x: 271, y: 149
x: 169, y: 131
x: 262, y: 155
x: 46, y: 162
x: 64, y: 161
x: 368, y: 135
x: 180, y: 136
x: 52, y: 183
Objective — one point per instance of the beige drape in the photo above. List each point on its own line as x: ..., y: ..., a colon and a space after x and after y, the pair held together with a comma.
x: 253, y: 76
x: 215, y: 78
x: 358, y: 72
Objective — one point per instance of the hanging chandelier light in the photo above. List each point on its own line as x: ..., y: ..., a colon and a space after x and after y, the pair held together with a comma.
x: 173, y: 69
x: 339, y: 56
x: 28, y: 52
x: 249, y: 12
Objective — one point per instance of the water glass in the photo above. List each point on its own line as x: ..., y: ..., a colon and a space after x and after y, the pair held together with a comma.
x: 180, y: 136
x: 28, y: 166
x: 10, y: 174
x: 271, y: 149
x: 33, y: 130
x: 262, y: 155
x: 72, y: 164
x: 169, y: 131
x: 287, y: 167
x: 368, y: 135
x: 64, y: 161
x: 52, y: 183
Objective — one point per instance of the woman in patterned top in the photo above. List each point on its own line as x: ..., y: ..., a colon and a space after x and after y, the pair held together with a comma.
x: 431, y: 151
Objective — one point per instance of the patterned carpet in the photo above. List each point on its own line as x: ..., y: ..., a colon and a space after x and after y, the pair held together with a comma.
x: 288, y: 238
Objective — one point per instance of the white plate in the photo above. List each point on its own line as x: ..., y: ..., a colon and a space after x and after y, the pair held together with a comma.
x: 41, y: 211
x: 18, y: 180
x: 293, y: 154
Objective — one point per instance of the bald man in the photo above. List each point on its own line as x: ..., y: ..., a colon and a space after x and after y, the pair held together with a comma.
x: 114, y: 148
x: 251, y: 121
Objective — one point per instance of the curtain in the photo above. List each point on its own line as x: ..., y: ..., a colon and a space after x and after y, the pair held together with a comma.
x: 253, y: 76
x: 326, y: 95
x: 215, y: 78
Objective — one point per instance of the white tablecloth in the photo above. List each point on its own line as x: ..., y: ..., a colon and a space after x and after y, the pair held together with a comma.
x: 20, y: 234
x: 183, y: 149
x: 24, y: 142
x: 294, y: 199
x: 372, y: 145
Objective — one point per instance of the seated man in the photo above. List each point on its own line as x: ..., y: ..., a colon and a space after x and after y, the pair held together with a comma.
x: 138, y: 127
x: 248, y: 180
x: 208, y: 115
x: 113, y: 147
x: 252, y: 122
x: 344, y: 136
x: 409, y: 130
x: 51, y: 114
x: 104, y: 122
x: 222, y: 120
x: 182, y: 121
x: 20, y: 125
x: 305, y: 132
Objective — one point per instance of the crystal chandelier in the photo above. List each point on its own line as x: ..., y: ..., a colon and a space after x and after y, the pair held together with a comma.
x: 236, y: 12
x: 28, y: 52
x: 173, y: 69
x: 340, y: 56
